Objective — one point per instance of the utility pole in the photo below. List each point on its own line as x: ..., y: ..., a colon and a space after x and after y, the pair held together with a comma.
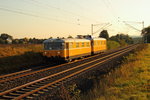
x: 105, y: 25
x: 143, y: 34
x: 126, y: 23
x: 91, y: 29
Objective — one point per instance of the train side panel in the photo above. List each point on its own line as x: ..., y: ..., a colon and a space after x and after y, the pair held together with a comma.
x: 77, y: 49
x: 99, y: 46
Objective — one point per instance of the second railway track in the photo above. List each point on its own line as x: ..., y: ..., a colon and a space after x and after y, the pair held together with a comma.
x: 34, y: 88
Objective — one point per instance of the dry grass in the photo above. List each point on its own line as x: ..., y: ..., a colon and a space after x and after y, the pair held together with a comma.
x: 13, y: 50
x: 129, y: 82
x: 17, y: 57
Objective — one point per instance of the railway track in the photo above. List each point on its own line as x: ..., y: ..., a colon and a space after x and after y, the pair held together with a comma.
x: 25, y: 73
x: 37, y: 87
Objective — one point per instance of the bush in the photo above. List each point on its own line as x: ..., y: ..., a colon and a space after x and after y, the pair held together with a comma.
x: 112, y: 44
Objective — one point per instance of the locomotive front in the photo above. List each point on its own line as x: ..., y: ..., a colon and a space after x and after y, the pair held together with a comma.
x: 54, y: 48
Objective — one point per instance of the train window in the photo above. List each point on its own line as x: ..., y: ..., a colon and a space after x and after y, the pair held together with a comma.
x: 70, y: 45
x: 54, y: 46
x: 77, y: 44
x: 82, y: 44
x: 87, y: 44
x: 100, y: 42
x: 95, y: 43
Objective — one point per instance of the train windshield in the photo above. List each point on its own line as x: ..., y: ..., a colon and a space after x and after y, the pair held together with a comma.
x: 53, y: 46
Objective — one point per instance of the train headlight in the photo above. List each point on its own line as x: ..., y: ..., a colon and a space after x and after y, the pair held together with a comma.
x: 58, y: 52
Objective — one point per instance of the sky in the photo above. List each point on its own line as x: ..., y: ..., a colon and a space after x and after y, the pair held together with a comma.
x: 61, y: 18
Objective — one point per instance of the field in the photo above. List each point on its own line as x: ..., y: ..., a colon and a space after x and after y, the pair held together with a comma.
x: 17, y: 57
x: 131, y: 81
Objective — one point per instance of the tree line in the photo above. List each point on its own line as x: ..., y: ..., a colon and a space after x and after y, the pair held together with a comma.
x: 8, y: 39
x: 125, y: 38
x: 122, y: 39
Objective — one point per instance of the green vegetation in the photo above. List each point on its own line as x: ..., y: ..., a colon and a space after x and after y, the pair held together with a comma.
x: 112, y: 44
x: 116, y: 41
x: 131, y: 81
x: 123, y: 39
x: 17, y: 57
x: 104, y: 34
x: 146, y: 34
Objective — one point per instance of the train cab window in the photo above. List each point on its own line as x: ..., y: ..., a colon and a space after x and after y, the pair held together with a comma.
x: 54, y: 46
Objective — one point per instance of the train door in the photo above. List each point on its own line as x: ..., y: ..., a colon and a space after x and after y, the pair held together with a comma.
x: 67, y: 50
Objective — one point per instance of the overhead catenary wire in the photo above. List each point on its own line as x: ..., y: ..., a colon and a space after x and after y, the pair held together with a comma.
x: 102, y: 28
x: 65, y: 11
x: 34, y: 15
x: 84, y: 8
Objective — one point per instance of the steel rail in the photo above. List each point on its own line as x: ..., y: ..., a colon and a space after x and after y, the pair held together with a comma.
x: 34, y: 72
x: 66, y: 77
x: 14, y: 89
x: 16, y: 73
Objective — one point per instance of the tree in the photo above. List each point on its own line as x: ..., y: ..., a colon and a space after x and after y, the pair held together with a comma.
x: 122, y: 39
x: 69, y: 36
x: 146, y: 34
x: 104, y: 34
x: 2, y: 41
x: 5, y: 38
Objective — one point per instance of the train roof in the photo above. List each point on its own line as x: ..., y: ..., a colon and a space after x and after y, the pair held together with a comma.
x: 98, y: 39
x: 72, y: 40
x: 67, y: 40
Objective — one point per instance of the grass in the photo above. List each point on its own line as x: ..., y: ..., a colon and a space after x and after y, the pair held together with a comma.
x: 17, y: 57
x: 13, y: 50
x: 131, y: 81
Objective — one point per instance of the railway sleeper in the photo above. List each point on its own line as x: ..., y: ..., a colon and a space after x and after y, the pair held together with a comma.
x: 49, y: 88
x: 20, y: 92
x: 33, y: 85
x: 8, y: 97
x: 45, y: 90
x: 29, y: 97
x: 42, y: 82
x: 30, y: 87
x: 15, y: 94
x: 25, y: 89
x: 53, y: 86
x: 35, y: 94
x: 41, y: 92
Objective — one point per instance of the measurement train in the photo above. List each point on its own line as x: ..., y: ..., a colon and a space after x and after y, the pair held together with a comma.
x: 73, y: 48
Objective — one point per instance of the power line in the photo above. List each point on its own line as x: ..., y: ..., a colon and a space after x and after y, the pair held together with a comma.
x: 57, y: 8
x: 33, y: 15
x: 86, y: 9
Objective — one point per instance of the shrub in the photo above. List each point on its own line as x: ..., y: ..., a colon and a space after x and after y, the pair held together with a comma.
x: 112, y: 44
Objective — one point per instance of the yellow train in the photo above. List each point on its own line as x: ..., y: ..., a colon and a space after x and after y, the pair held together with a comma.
x: 71, y: 48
